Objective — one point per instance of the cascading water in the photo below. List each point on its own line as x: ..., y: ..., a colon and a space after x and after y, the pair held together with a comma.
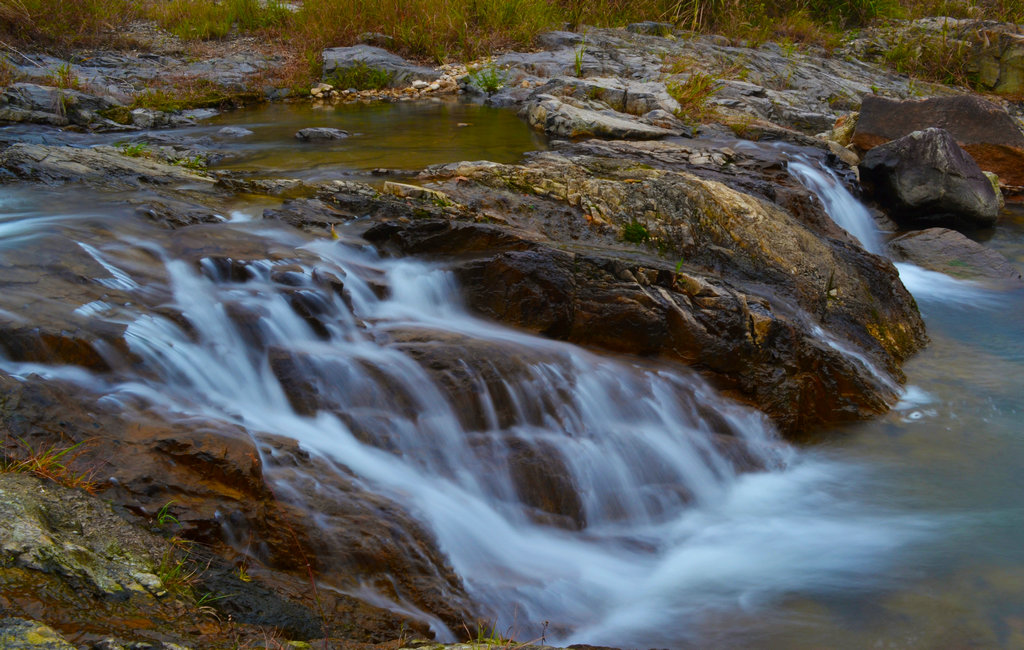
x: 657, y: 530
x: 851, y: 215
x: 848, y: 213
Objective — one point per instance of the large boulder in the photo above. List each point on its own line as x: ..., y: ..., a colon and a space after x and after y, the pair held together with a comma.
x: 985, y: 130
x: 395, y: 71
x: 926, y: 179
x: 952, y: 253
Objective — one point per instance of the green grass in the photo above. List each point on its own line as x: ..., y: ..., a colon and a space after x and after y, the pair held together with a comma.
x: 52, y: 463
x: 360, y: 77
x: 693, y: 94
x: 488, y: 78
x: 635, y: 233
x: 63, y: 24
x: 205, y: 20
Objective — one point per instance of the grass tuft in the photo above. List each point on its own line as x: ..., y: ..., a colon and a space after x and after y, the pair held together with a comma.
x: 693, y: 95
x: 51, y: 463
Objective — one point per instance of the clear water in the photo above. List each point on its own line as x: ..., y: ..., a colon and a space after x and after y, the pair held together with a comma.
x: 904, y: 532
x: 398, y: 136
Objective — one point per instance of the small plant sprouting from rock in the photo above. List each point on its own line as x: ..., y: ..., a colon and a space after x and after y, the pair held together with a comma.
x: 196, y: 163
x: 51, y: 463
x: 488, y: 78
x: 135, y: 149
x: 581, y: 51
x: 635, y: 233
x: 164, y: 516
x: 693, y: 95
x: 64, y: 77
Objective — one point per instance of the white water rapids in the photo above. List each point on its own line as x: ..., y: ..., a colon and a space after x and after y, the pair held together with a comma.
x: 672, y: 536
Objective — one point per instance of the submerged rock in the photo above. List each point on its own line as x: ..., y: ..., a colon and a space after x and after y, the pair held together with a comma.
x: 952, y: 253
x: 925, y: 179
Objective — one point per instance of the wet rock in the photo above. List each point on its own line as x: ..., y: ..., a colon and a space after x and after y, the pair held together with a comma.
x: 148, y: 118
x: 66, y: 532
x: 317, y: 134
x: 952, y: 253
x: 557, y: 118
x: 400, y: 72
x: 985, y: 130
x: 234, y: 132
x: 104, y: 167
x: 22, y: 634
x: 749, y: 342
x: 926, y: 179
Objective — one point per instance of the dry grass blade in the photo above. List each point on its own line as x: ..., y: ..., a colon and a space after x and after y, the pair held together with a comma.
x: 51, y: 463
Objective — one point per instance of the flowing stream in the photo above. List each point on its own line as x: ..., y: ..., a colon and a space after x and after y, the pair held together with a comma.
x: 682, y: 520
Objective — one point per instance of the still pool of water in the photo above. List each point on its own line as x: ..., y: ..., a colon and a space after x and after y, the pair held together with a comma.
x: 399, y: 136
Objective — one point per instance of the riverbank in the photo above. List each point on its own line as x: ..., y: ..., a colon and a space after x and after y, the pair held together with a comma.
x: 664, y: 228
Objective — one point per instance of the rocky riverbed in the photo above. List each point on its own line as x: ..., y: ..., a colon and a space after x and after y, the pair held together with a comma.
x: 639, y: 234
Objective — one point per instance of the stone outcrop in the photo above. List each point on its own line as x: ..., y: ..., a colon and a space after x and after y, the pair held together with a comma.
x: 560, y: 118
x: 563, y: 270
x: 102, y: 166
x: 399, y: 72
x: 925, y: 179
x: 28, y: 102
x: 986, y: 131
x: 952, y: 253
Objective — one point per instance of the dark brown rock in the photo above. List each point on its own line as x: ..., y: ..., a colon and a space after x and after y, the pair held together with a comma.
x: 952, y: 253
x: 985, y: 130
x: 925, y: 179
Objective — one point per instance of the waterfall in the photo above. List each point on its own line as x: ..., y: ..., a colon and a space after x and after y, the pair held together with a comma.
x: 648, y: 502
x: 848, y: 213
x: 851, y: 215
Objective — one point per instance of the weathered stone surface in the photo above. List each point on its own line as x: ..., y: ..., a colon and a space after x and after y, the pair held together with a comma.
x: 28, y: 102
x: 952, y: 253
x: 926, y: 179
x: 557, y: 118
x: 402, y: 72
x: 622, y: 95
x: 102, y: 166
x: 708, y: 312
x: 56, y: 530
x: 983, y: 129
x: 22, y: 634
x: 320, y: 133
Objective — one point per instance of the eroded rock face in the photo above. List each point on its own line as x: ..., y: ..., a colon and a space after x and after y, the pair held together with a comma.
x: 952, y: 253
x: 564, y: 271
x: 926, y: 179
x: 986, y: 131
